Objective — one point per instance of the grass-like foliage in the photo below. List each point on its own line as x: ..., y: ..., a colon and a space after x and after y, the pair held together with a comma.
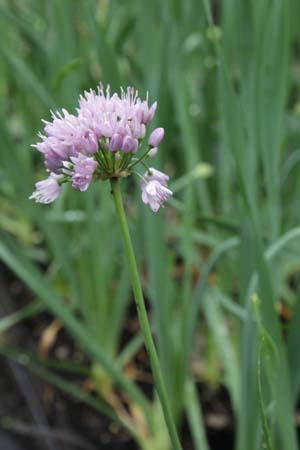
x: 221, y: 263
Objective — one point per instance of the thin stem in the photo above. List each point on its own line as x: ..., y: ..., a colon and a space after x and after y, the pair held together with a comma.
x: 146, y: 167
x: 105, y: 158
x: 100, y: 161
x: 125, y: 161
x: 142, y: 314
x: 140, y: 159
x: 114, y: 162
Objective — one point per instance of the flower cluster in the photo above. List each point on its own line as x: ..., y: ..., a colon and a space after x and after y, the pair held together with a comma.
x: 101, y: 141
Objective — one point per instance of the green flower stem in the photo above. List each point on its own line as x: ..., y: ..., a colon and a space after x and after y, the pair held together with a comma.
x: 141, y: 158
x: 142, y: 314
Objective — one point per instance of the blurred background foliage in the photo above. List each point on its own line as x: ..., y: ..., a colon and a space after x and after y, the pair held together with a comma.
x: 220, y: 264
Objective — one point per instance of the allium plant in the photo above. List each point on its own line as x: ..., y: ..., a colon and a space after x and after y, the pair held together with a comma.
x: 101, y: 142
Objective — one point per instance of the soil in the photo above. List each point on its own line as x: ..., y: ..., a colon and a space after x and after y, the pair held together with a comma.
x: 36, y: 416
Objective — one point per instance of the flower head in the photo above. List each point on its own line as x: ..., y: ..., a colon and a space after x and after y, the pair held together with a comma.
x: 99, y: 142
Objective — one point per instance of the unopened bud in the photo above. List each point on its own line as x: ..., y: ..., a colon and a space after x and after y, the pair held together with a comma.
x: 152, y: 152
x: 156, y: 137
x: 116, y: 142
x: 129, y: 144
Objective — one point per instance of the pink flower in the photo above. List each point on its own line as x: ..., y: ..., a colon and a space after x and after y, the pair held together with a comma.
x: 154, y: 189
x: 156, y: 137
x: 90, y: 142
x: 116, y: 142
x: 110, y: 116
x: 145, y: 113
x: 129, y: 144
x: 154, y: 174
x: 120, y: 119
x: 47, y: 190
x: 99, y: 141
x: 81, y: 168
x: 155, y: 194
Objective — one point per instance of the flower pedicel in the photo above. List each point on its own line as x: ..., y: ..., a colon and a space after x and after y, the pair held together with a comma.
x: 101, y: 142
